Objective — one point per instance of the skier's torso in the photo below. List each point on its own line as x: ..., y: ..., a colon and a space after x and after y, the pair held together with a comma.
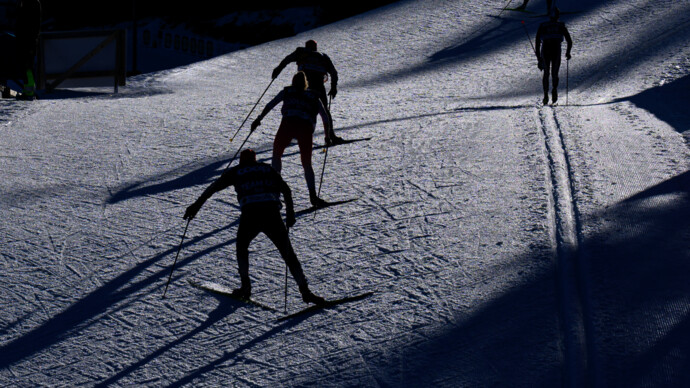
x: 256, y: 183
x: 303, y: 104
x: 552, y: 33
x: 312, y: 62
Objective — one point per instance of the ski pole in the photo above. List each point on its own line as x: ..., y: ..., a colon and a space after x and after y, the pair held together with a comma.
x: 250, y: 112
x: 176, y: 256
x: 323, y: 167
x: 567, y: 80
x: 325, y: 156
x: 506, y: 7
x: 528, y: 37
x: 238, y: 150
x: 286, y: 278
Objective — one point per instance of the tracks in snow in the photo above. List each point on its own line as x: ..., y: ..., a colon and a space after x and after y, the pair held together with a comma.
x: 565, y: 244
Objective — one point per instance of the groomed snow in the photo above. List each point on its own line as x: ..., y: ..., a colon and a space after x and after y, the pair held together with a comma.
x: 507, y: 244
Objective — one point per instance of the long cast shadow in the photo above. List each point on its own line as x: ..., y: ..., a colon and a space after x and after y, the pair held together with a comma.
x: 233, y: 355
x: 634, y: 275
x: 668, y: 102
x: 86, y: 312
x: 224, y: 308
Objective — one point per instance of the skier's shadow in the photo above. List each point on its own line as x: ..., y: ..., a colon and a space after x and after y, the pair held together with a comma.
x: 224, y: 308
x: 634, y: 275
x: 80, y: 315
x: 229, y: 356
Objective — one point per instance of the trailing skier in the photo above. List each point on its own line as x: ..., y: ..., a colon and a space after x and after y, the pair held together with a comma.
x: 258, y: 188
x: 317, y: 67
x: 299, y: 110
x: 550, y: 35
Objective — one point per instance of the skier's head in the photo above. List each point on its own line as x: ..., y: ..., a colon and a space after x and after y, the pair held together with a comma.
x: 299, y: 81
x: 247, y: 156
x: 310, y: 45
x: 555, y: 13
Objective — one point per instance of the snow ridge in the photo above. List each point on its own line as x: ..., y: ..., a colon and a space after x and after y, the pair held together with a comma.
x: 565, y: 240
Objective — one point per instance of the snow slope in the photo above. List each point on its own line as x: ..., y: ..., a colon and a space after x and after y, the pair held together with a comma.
x: 507, y: 244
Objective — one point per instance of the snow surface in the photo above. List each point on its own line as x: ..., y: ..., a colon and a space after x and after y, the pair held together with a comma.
x: 507, y: 244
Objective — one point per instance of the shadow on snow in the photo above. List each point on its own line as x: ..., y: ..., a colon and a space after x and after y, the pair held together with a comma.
x: 106, y: 299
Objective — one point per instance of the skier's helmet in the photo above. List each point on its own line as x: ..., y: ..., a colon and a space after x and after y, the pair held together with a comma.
x: 555, y: 13
x: 247, y: 156
x: 310, y: 45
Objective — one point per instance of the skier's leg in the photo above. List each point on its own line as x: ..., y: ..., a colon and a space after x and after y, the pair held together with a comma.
x: 305, y: 143
x: 556, y: 65
x: 275, y: 230
x: 246, y: 232
x: 277, y: 233
x: 280, y: 143
x: 545, y: 79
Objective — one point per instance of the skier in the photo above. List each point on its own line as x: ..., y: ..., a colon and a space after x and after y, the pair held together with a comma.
x: 258, y: 188
x: 300, y: 107
x: 28, y: 30
x: 550, y: 35
x: 317, y: 67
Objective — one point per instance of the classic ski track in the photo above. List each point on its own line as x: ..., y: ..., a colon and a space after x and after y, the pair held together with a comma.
x: 565, y: 244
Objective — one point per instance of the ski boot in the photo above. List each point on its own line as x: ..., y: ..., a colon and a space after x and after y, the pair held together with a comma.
x: 244, y: 292
x: 309, y: 297
x: 546, y: 99
x: 317, y: 202
x: 334, y: 140
x: 554, y: 96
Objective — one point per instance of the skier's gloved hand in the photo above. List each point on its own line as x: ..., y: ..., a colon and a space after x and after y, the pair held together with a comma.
x: 276, y: 72
x: 255, y: 124
x: 290, y: 218
x: 333, y: 91
x: 191, y: 211
x: 540, y: 64
x: 567, y: 56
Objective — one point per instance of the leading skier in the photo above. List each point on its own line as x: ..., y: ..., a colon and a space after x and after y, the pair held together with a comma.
x: 317, y: 67
x: 550, y: 35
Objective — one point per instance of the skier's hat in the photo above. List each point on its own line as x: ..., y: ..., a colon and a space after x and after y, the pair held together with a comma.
x: 310, y: 45
x: 247, y: 156
x: 555, y: 12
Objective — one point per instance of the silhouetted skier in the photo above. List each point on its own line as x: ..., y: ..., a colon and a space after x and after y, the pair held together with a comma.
x: 258, y: 188
x: 317, y: 67
x: 550, y: 35
x: 300, y: 107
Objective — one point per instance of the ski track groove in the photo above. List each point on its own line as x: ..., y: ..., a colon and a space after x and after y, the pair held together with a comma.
x: 566, y: 240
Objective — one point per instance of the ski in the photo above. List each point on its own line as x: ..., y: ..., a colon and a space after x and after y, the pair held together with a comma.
x: 518, y: 10
x: 328, y: 304
x: 328, y: 204
x: 219, y: 289
x: 544, y: 15
x: 345, y: 141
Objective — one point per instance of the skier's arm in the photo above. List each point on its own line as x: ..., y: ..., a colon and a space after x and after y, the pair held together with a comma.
x: 289, y: 206
x: 286, y: 61
x: 225, y: 180
x: 333, y: 73
x: 537, y: 44
x: 568, y: 40
x: 271, y: 104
